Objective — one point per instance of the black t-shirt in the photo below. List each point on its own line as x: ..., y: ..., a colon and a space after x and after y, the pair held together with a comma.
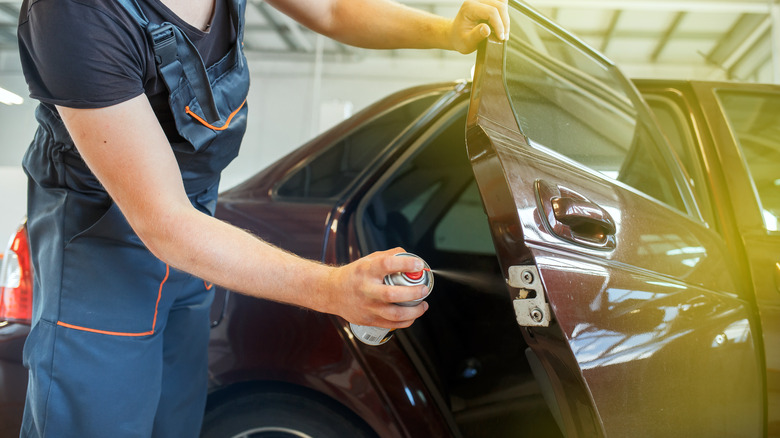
x: 92, y: 53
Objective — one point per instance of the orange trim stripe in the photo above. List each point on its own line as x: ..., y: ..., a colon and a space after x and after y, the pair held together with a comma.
x: 207, y: 124
x: 105, y: 332
x: 208, y: 285
x: 159, y: 294
x: 102, y: 332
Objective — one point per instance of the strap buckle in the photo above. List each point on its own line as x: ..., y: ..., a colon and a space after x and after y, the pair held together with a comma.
x: 164, y: 44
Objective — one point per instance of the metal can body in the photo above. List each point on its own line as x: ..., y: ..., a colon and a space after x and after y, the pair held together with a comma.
x: 377, y: 335
x: 371, y: 335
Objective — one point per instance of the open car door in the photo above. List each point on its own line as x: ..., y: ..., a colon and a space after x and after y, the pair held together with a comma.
x: 637, y: 322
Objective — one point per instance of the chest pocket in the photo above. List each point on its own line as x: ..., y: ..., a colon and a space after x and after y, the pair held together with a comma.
x: 207, y: 103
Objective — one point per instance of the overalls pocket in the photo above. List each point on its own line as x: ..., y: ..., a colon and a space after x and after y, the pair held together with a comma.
x: 190, y: 119
x: 204, y: 101
x: 97, y: 293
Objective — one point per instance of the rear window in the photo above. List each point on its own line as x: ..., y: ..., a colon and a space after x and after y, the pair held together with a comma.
x: 754, y: 119
x: 328, y: 174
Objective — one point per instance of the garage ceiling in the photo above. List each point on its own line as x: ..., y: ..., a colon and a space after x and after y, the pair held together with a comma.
x: 712, y: 39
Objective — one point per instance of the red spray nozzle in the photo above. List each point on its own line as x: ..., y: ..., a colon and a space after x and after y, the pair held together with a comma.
x: 416, y: 275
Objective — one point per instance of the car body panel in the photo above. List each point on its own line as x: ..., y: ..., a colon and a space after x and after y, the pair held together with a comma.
x: 762, y: 247
x: 665, y: 310
x: 755, y: 250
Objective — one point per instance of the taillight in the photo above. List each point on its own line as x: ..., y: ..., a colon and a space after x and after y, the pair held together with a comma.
x: 16, y: 280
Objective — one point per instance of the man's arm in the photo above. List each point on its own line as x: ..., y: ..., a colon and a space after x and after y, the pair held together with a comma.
x: 127, y: 150
x: 386, y: 24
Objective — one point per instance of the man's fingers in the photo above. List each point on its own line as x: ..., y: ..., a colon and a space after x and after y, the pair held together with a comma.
x: 477, y: 20
x: 503, y: 11
x: 479, y: 33
x: 402, y: 294
x: 400, y: 263
x: 494, y: 13
x: 394, y: 316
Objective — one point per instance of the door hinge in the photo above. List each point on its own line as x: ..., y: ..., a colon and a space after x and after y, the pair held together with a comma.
x: 533, y: 309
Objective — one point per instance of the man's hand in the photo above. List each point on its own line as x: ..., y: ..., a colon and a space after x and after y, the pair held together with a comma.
x: 477, y: 20
x: 358, y: 294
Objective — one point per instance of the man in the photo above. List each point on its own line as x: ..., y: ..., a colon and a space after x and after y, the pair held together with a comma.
x: 124, y: 170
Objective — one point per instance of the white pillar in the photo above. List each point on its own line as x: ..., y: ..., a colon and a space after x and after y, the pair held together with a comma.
x: 316, y: 92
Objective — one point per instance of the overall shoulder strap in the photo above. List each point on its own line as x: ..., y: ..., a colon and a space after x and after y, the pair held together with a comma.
x: 237, y: 11
x: 132, y: 8
x: 161, y: 36
x: 175, y: 54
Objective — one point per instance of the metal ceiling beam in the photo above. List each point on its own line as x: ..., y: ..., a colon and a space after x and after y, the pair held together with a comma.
x: 11, y: 8
x: 734, y: 37
x: 297, y: 33
x: 666, y: 36
x: 747, y: 44
x: 281, y: 30
x: 610, y: 33
x: 8, y: 28
x: 634, y: 34
x: 757, y: 58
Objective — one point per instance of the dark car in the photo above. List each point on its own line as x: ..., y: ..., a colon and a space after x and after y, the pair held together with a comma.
x: 607, y: 263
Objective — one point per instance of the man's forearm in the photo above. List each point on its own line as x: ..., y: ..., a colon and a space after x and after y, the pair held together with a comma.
x: 228, y: 256
x: 384, y: 24
x: 223, y: 254
x: 387, y: 24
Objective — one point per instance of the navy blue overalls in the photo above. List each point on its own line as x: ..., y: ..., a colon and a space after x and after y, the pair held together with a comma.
x: 118, y: 346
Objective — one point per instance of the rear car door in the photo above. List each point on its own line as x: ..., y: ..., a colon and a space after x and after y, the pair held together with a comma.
x: 632, y: 308
x: 733, y: 130
x: 746, y: 124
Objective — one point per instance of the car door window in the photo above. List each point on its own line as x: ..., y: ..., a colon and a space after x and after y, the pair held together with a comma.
x: 328, y: 174
x: 463, y: 228
x: 754, y: 120
x: 567, y: 101
x: 676, y: 126
x: 430, y: 186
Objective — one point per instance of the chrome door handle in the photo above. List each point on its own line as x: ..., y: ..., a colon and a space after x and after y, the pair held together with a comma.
x: 572, y: 217
x: 579, y: 213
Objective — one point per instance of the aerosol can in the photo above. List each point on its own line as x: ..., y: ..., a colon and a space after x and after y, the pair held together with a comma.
x: 377, y: 335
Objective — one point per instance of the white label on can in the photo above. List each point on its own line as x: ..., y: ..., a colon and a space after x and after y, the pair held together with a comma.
x: 370, y: 335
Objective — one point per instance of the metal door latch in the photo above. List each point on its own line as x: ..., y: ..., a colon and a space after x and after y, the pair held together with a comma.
x: 532, y: 310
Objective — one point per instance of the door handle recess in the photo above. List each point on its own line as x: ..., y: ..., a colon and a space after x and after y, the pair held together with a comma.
x: 582, y: 214
x: 572, y: 217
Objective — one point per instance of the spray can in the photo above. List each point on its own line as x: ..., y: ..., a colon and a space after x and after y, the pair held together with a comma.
x: 378, y: 335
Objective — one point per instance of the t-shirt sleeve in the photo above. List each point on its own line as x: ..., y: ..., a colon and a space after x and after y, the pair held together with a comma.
x: 78, y: 55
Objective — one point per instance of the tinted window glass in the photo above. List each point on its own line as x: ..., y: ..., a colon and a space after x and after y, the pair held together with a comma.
x: 675, y: 124
x: 328, y: 174
x: 567, y: 101
x: 754, y: 118
x: 464, y: 227
x: 432, y: 200
x: 675, y: 127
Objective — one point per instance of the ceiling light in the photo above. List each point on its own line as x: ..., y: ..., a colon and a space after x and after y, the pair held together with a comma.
x: 10, y: 98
